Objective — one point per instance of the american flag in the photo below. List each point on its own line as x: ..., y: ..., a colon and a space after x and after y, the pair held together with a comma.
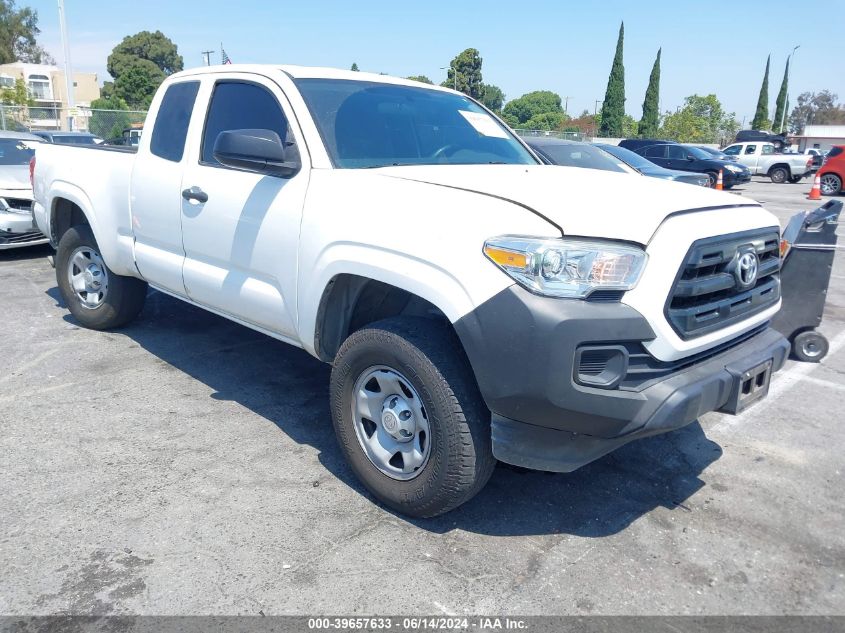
x: 224, y: 58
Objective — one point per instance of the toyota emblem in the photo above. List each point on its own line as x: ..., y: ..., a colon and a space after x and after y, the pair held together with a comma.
x: 746, y: 269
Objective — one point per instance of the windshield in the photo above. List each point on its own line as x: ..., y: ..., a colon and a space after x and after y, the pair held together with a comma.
x: 631, y: 158
x: 370, y: 124
x: 16, y: 151
x: 578, y: 155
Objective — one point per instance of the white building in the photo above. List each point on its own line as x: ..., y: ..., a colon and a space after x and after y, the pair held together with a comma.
x: 821, y: 137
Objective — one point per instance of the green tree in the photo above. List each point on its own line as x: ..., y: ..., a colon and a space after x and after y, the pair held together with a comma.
x: 107, y: 117
x: 530, y: 105
x: 421, y: 78
x: 613, y: 107
x: 816, y: 108
x: 701, y: 120
x: 17, y: 95
x: 354, y: 67
x: 780, y: 104
x: 467, y: 67
x: 650, y: 122
x: 546, y: 121
x: 493, y: 97
x: 762, y: 112
x: 139, y: 64
x: 18, y: 33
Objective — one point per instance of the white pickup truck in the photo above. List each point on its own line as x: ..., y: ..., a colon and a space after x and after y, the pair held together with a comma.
x: 473, y: 302
x: 763, y: 160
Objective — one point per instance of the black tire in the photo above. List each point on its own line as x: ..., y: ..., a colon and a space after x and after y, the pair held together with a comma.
x: 428, y: 354
x: 122, y: 299
x: 810, y: 346
x: 714, y: 177
x: 779, y: 174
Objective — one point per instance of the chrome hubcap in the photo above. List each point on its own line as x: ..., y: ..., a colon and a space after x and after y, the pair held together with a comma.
x: 88, y: 277
x: 391, y: 423
x: 829, y: 185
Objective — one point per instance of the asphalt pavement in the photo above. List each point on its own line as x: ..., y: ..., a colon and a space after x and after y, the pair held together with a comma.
x: 187, y: 465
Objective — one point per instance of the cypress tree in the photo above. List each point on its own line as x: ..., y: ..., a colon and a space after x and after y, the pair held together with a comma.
x: 780, y: 104
x: 762, y: 113
x: 650, y: 121
x: 613, y: 108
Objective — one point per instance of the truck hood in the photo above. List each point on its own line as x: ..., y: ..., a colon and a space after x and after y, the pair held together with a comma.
x: 578, y: 201
x: 15, y: 177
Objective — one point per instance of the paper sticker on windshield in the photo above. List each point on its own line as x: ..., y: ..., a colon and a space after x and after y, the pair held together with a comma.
x: 483, y: 124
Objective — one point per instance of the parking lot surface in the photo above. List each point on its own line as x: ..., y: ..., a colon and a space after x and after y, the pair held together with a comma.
x: 187, y: 465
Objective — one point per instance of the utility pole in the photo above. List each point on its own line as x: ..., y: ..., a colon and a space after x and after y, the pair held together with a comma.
x: 68, y: 74
x: 206, y: 55
x: 566, y: 105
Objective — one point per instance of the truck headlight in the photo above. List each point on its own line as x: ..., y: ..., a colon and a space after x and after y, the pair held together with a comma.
x: 567, y: 267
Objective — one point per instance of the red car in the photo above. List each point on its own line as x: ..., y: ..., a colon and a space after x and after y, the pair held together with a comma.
x: 832, y: 172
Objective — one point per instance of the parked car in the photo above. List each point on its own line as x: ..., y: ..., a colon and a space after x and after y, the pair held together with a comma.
x: 468, y: 298
x: 832, y: 172
x: 647, y: 168
x: 749, y: 136
x: 714, y: 152
x: 69, y: 138
x: 676, y: 156
x: 17, y: 227
x: 763, y: 160
x: 555, y: 151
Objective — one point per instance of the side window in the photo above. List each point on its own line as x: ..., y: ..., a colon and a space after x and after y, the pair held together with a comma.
x: 677, y: 152
x: 768, y: 149
x: 171, y: 125
x: 751, y: 149
x: 655, y: 151
x: 237, y: 105
x: 733, y: 150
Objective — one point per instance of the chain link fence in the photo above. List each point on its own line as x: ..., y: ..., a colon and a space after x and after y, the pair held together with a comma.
x: 569, y: 136
x: 107, y: 124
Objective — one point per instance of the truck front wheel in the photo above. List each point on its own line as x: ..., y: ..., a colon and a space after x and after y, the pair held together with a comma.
x: 409, y: 417
x: 98, y: 298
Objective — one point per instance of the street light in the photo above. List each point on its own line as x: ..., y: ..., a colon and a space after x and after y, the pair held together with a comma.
x: 783, y: 115
x: 454, y: 73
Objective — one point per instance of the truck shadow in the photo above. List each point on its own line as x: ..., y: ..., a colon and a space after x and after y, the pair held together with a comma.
x: 289, y: 388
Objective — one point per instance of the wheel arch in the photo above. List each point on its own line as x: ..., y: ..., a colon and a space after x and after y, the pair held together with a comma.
x: 350, y: 302
x: 778, y: 166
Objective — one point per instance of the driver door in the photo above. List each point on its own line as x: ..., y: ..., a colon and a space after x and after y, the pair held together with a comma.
x: 241, y: 228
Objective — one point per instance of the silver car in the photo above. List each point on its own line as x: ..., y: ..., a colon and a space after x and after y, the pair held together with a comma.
x: 16, y: 224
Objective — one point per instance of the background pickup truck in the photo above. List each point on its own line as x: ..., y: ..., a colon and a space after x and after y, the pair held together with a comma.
x: 474, y: 303
x: 762, y: 160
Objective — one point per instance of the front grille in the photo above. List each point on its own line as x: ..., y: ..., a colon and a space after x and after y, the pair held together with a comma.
x: 708, y: 294
x: 21, y: 238
x: 19, y: 204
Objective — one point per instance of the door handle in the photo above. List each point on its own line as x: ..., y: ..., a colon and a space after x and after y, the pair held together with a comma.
x: 195, y: 193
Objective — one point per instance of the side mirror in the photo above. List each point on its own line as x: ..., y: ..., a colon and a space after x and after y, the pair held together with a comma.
x: 260, y: 151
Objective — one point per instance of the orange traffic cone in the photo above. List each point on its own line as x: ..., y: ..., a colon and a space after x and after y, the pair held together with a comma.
x: 816, y: 191
x: 719, y: 186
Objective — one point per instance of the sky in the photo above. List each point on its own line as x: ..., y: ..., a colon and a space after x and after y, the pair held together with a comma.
x: 567, y: 47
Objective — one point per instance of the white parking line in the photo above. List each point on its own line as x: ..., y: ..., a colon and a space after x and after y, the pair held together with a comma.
x: 781, y: 383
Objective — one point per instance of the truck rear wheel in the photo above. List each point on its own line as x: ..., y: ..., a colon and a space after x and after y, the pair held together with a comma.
x: 98, y: 298
x: 779, y: 174
x: 409, y: 417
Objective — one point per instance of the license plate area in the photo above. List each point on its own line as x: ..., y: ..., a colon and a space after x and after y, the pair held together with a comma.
x: 749, y: 386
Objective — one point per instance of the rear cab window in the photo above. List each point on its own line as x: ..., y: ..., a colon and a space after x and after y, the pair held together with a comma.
x: 171, y: 124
